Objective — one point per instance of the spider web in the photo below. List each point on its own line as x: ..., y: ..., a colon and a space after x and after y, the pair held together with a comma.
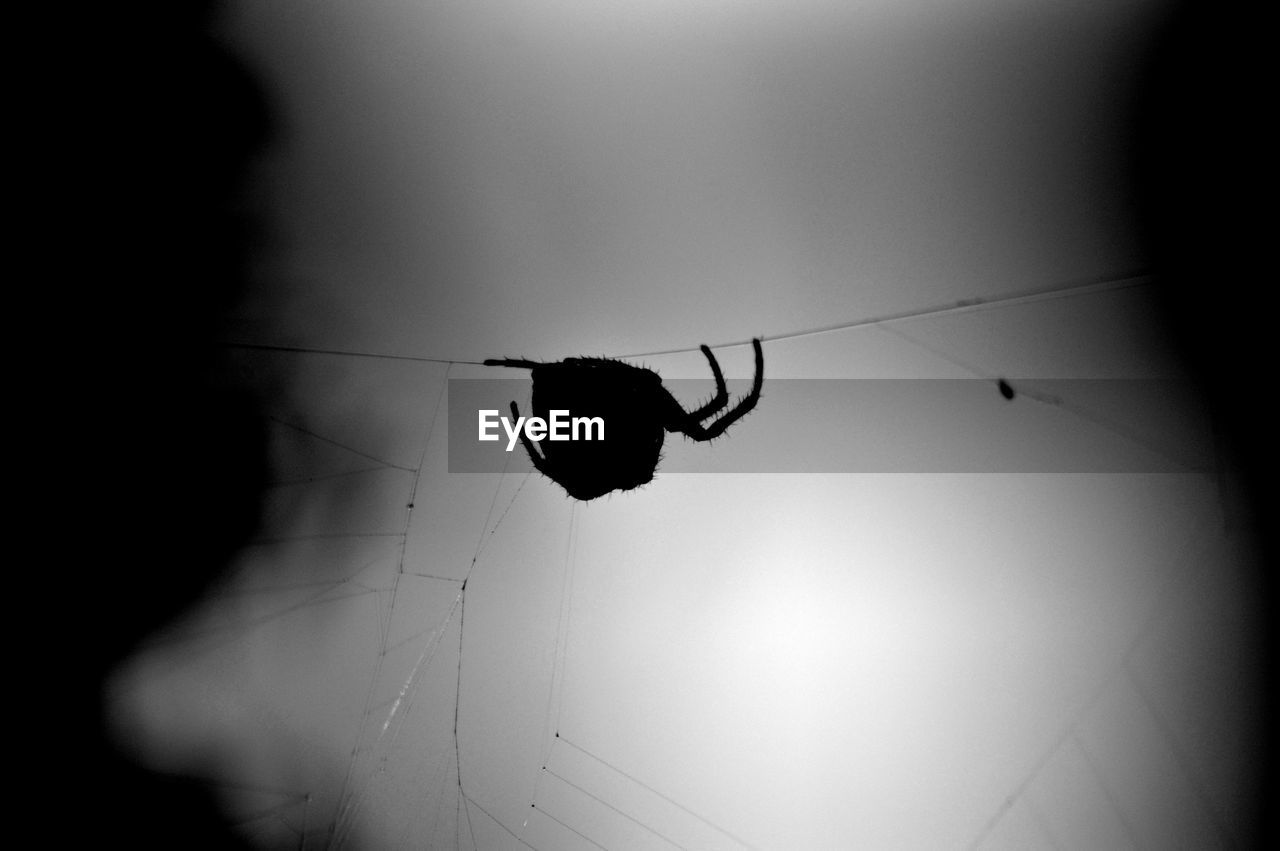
x: 471, y: 728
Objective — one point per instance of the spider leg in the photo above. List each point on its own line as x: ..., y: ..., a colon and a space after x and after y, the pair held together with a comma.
x: 721, y: 398
x: 539, y: 462
x: 693, y: 428
x: 514, y: 362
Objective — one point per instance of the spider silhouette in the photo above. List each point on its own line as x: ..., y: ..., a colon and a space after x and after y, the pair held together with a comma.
x: 637, y: 412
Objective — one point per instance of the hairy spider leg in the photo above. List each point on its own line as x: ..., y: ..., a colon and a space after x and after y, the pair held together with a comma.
x: 717, y: 401
x: 693, y: 428
x: 536, y: 457
x: 513, y: 362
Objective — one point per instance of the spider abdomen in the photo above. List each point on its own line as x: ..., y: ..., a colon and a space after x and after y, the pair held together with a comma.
x: 627, y: 456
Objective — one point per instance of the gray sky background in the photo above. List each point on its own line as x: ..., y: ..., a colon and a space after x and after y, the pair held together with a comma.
x: 778, y: 661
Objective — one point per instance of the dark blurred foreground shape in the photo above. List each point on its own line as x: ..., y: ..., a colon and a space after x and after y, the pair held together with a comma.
x: 143, y: 128
x: 1202, y: 165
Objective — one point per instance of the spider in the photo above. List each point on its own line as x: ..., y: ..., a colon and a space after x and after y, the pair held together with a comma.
x: 637, y: 411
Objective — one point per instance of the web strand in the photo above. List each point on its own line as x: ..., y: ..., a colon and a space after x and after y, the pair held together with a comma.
x: 1053, y: 291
